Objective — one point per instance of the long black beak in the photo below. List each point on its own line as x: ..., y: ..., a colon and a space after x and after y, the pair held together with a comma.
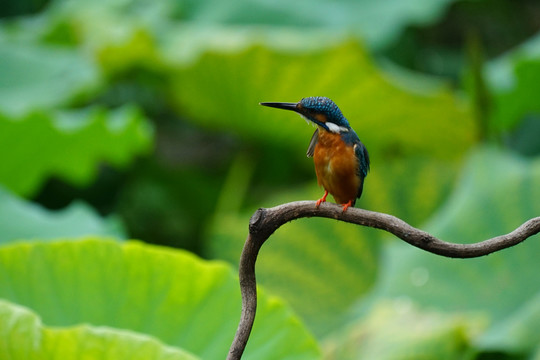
x: 281, y: 105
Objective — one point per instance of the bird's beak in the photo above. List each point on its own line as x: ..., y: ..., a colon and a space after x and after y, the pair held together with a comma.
x: 281, y: 105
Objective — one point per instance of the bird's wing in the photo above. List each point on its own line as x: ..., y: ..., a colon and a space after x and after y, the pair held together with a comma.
x: 362, y: 156
x: 312, y: 143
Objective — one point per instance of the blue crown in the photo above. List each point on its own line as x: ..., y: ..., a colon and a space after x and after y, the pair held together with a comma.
x: 325, y: 106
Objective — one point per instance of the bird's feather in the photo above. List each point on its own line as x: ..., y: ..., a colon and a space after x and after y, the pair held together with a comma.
x: 362, y: 157
x: 312, y: 143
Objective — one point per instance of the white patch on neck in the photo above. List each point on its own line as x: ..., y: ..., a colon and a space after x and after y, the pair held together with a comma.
x: 335, y: 128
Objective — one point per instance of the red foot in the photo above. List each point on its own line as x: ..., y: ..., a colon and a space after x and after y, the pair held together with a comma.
x: 347, y: 205
x: 321, y: 200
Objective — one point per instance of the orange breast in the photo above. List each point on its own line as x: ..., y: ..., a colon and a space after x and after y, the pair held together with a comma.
x: 336, y: 167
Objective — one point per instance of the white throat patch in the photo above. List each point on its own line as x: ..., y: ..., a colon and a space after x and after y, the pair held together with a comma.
x: 335, y: 128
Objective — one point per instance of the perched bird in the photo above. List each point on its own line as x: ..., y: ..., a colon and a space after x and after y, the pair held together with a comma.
x: 341, y: 160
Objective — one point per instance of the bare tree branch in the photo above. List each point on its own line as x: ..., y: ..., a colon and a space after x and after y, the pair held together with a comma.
x: 264, y: 222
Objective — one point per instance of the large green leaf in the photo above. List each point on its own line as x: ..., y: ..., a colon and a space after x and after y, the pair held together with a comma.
x: 398, y: 331
x: 518, y: 331
x: 496, y: 193
x: 514, y: 78
x: 36, y: 77
x: 500, y: 72
x: 224, y: 74
x: 166, y: 293
x: 513, y: 105
x: 69, y: 145
x: 410, y: 188
x: 378, y: 23
x: 20, y: 219
x: 222, y: 90
x: 536, y: 355
x: 24, y: 337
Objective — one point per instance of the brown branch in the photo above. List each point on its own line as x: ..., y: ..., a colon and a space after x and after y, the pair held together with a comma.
x: 264, y: 222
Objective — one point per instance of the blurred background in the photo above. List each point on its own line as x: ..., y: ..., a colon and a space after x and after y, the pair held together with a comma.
x: 140, y: 119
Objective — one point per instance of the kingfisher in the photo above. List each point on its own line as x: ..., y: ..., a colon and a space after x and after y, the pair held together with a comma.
x: 341, y: 160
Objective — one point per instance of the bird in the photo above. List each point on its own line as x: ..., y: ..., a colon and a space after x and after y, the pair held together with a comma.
x: 341, y: 160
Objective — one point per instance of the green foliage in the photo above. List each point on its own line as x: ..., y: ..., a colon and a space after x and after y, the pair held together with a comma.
x: 43, y: 138
x: 412, y: 188
x: 536, y: 355
x: 515, y: 81
x: 26, y: 338
x: 70, y: 145
x: 376, y: 23
x: 519, y: 331
x: 428, y: 335
x: 234, y: 77
x: 198, y: 69
x: 168, y: 294
x: 33, y: 77
x: 319, y: 266
x: 432, y: 123
x: 20, y: 219
x: 519, y: 101
x: 502, y: 287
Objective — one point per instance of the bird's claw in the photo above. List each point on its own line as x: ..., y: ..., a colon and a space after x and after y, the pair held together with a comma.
x: 321, y: 200
x: 347, y: 205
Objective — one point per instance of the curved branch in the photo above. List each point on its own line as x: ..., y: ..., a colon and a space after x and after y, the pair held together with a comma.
x: 264, y: 222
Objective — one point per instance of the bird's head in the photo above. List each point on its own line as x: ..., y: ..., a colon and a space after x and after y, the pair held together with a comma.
x: 319, y: 110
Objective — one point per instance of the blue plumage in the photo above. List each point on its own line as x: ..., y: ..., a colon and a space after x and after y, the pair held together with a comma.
x: 324, y: 106
x: 352, y: 139
x: 320, y: 108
